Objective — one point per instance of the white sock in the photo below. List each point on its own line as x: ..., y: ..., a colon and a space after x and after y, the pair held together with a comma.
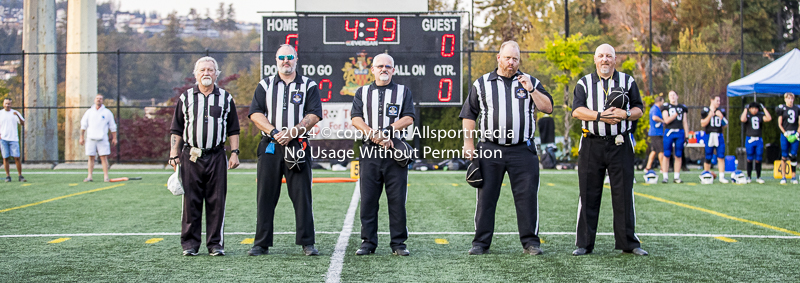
x: 666, y: 175
x: 677, y: 175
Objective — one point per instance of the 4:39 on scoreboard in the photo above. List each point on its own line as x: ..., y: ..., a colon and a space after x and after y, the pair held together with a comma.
x: 337, y: 50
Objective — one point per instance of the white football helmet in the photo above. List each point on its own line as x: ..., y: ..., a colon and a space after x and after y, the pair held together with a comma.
x: 739, y: 177
x: 706, y: 178
x: 651, y: 177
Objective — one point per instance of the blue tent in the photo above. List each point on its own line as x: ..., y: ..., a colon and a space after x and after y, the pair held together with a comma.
x: 776, y: 78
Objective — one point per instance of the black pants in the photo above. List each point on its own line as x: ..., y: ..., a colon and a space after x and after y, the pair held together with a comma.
x: 522, y: 165
x: 203, y: 181
x: 374, y: 173
x: 271, y: 169
x: 597, y: 155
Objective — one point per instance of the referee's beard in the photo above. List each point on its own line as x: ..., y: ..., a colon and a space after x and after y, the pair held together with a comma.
x: 207, y: 81
x: 507, y: 72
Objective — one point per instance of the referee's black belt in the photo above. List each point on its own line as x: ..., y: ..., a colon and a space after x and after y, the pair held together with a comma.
x: 506, y: 145
x: 608, y: 138
x: 207, y: 150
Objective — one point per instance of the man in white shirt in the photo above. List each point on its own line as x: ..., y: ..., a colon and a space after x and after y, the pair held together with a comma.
x: 9, y: 137
x: 95, y: 124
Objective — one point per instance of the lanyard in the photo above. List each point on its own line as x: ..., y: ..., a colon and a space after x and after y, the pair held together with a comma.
x: 604, y: 89
x: 287, y: 92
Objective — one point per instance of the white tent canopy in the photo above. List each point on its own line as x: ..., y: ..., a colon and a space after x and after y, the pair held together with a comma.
x: 776, y: 78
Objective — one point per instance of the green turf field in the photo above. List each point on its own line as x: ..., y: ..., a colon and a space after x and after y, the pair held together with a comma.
x: 129, y: 232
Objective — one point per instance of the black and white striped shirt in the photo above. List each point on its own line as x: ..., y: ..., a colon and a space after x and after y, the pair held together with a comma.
x: 380, y: 106
x: 205, y: 121
x: 591, y: 92
x: 505, y: 108
x: 286, y: 105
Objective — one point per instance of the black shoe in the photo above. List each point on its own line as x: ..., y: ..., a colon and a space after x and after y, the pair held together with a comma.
x: 310, y: 250
x: 22, y: 179
x: 365, y: 251
x: 400, y: 252
x: 581, y: 251
x: 8, y: 179
x: 258, y: 250
x: 533, y: 250
x: 677, y: 181
x: 216, y: 252
x: 190, y: 252
x: 664, y: 181
x: 478, y: 250
x: 636, y: 251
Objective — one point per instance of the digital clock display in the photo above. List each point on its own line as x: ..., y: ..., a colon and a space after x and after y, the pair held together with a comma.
x: 336, y: 51
x: 381, y: 30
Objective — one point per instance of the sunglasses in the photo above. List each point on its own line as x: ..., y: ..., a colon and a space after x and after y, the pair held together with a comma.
x: 383, y: 66
x: 285, y: 57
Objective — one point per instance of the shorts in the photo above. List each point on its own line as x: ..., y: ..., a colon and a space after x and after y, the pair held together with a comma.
x: 657, y: 143
x: 9, y: 148
x: 788, y: 149
x: 720, y: 150
x: 676, y: 137
x: 95, y: 147
x: 755, y: 148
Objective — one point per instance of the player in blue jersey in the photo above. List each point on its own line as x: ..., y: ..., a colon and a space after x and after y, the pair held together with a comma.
x: 713, y: 119
x: 676, y: 127
x: 787, y: 122
x: 753, y: 119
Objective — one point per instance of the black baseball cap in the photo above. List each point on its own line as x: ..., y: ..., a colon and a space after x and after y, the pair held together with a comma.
x: 403, y: 152
x: 474, y: 176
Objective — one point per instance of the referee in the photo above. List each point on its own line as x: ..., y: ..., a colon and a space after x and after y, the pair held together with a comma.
x: 504, y: 101
x: 284, y: 107
x: 382, y: 110
x: 205, y: 116
x: 606, y: 145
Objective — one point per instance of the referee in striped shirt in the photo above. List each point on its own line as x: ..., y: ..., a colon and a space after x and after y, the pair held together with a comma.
x: 381, y: 110
x: 606, y: 145
x: 205, y: 116
x: 504, y: 101
x: 285, y: 107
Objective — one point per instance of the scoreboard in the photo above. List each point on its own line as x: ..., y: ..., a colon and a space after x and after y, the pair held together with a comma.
x: 336, y: 51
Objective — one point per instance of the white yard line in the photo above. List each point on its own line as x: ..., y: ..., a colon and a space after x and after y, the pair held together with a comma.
x: 337, y: 259
x: 345, y: 233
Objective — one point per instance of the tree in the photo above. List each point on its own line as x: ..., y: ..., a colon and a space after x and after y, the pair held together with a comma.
x: 696, y: 77
x: 441, y: 5
x: 564, y: 56
x: 628, y: 24
x: 231, y: 14
x: 221, y: 12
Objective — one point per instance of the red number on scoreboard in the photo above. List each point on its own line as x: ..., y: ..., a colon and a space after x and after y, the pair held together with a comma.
x: 289, y: 40
x: 393, y: 29
x: 452, y: 38
x: 354, y: 29
x: 373, y: 29
x: 449, y: 96
x: 330, y: 85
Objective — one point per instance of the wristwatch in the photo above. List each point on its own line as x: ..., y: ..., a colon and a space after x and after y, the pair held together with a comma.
x: 235, y: 151
x: 627, y: 112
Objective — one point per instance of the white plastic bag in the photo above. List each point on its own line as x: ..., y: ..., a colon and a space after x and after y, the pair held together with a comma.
x: 174, y: 183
